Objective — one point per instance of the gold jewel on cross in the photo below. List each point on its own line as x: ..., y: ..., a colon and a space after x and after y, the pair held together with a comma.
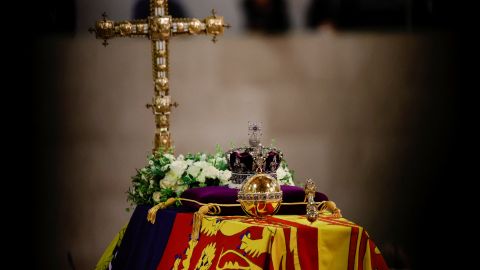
x: 159, y: 27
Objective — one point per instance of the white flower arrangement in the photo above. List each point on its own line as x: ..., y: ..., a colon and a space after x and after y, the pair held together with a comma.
x: 284, y: 175
x: 168, y: 176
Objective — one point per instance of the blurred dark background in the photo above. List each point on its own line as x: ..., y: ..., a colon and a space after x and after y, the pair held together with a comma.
x: 367, y: 97
x: 273, y: 16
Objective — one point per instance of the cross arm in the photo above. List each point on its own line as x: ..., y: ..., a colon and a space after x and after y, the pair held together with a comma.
x: 159, y: 27
x: 107, y: 29
x: 212, y: 25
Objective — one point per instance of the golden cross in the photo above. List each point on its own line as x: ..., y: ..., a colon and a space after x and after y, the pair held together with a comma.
x: 159, y: 27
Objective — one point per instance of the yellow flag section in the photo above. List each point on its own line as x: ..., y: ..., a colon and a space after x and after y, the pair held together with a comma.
x: 276, y: 243
x: 341, y: 244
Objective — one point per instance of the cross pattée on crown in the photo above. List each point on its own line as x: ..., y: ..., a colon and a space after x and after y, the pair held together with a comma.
x: 255, y: 133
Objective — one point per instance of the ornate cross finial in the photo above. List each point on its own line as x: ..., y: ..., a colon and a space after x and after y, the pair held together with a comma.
x: 255, y: 133
x: 159, y: 27
x: 102, y: 25
x: 224, y: 25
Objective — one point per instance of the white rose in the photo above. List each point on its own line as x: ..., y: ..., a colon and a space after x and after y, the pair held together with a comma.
x: 169, y: 181
x: 193, y: 170
x: 200, y: 164
x: 156, y: 196
x: 178, y: 167
x: 207, y: 172
x: 203, y: 157
x: 210, y: 172
x: 281, y: 173
x: 224, y: 176
x: 150, y: 162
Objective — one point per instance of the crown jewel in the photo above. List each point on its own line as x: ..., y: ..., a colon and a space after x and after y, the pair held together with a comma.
x: 246, y: 161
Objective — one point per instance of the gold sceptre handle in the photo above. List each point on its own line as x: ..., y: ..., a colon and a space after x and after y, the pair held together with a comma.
x: 312, y: 207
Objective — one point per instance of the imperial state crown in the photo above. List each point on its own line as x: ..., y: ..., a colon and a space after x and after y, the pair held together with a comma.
x: 241, y: 160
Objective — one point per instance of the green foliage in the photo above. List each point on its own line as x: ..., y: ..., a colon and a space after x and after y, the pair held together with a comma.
x: 167, y: 176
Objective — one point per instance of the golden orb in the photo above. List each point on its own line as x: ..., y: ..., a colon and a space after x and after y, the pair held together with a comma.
x: 260, y: 196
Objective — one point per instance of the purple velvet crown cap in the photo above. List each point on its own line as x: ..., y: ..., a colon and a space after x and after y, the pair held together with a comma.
x: 226, y: 195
